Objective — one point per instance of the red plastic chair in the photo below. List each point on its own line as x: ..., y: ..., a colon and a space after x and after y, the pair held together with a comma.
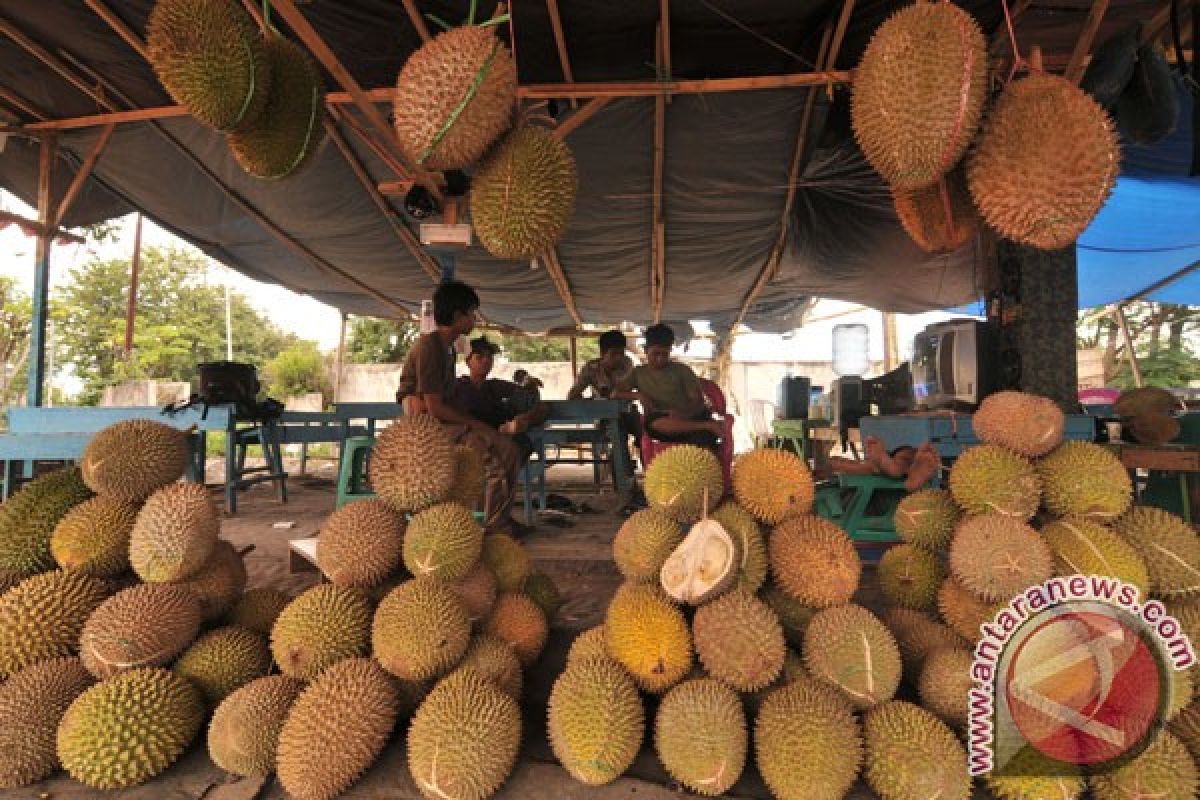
x: 651, y: 447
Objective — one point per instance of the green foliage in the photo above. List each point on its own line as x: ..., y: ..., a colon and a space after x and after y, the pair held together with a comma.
x: 298, y: 370
x: 546, y: 348
x: 1166, y: 368
x: 1160, y: 334
x: 379, y: 341
x: 180, y: 321
x: 16, y: 311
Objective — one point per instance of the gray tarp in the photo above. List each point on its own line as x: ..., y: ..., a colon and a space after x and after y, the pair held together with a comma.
x: 727, y: 158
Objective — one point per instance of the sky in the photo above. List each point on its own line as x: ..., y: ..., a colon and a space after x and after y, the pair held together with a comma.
x: 313, y: 320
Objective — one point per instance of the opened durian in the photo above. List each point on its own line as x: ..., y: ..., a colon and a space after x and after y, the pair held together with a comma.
x: 703, y: 566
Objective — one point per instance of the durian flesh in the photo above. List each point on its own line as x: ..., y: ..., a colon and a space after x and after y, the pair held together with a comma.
x: 703, y: 565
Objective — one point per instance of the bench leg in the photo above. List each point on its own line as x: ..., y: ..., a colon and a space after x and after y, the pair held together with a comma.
x: 231, y: 473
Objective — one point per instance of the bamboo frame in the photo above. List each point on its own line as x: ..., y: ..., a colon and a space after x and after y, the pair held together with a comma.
x: 48, y: 59
x: 1134, y: 367
x: 21, y: 104
x: 560, y: 44
x: 39, y: 229
x: 35, y: 392
x: 118, y: 26
x: 1083, y: 45
x: 658, y: 247
x: 589, y: 110
x: 664, y: 32
x: 344, y: 117
x: 418, y: 21
x: 85, y: 172
x: 559, y: 278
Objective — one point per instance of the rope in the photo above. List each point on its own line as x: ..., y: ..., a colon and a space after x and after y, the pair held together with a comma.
x: 1018, y: 62
x: 480, y: 76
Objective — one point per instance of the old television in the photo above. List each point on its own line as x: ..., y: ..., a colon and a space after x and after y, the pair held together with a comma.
x: 954, y: 364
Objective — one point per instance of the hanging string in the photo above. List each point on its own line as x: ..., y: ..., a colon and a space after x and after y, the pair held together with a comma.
x: 1018, y: 62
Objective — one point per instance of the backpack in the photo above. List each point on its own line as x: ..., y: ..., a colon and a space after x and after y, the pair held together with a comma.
x: 230, y: 382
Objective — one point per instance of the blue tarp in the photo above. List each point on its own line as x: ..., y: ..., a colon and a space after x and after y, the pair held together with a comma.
x: 1150, y: 226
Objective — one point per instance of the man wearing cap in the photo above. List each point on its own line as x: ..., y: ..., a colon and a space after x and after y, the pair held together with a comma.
x: 506, y: 406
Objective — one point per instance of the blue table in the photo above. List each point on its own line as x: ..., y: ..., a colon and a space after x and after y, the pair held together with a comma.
x: 950, y: 433
x: 596, y: 422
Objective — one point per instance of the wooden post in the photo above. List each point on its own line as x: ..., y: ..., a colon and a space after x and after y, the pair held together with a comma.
x: 891, y: 348
x: 339, y: 361
x: 574, y: 358
x: 131, y: 308
x: 35, y: 391
x: 1134, y: 367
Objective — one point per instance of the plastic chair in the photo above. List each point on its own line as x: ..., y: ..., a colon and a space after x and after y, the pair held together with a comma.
x: 651, y: 447
x: 760, y: 426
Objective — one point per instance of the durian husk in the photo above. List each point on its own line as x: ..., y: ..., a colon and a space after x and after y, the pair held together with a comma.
x: 244, y: 733
x: 649, y: 636
x: 940, y: 218
x: 911, y: 753
x: 919, y: 92
x: 413, y: 464
x: 133, y: 458
x: 850, y: 649
x: 32, y: 703
x: 595, y: 720
x: 997, y: 556
x: 772, y: 484
x: 435, y: 81
x: 1044, y: 163
x: 700, y: 735
x: 814, y: 561
x: 739, y: 641
x: 1024, y: 423
x: 703, y: 566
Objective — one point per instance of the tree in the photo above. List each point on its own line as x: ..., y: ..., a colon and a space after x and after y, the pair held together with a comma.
x: 522, y: 348
x: 298, y: 370
x: 380, y: 341
x: 1164, y: 361
x: 16, y: 312
x: 180, y: 321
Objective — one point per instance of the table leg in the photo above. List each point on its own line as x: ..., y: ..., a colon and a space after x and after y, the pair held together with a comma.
x: 620, y: 460
x: 231, y: 473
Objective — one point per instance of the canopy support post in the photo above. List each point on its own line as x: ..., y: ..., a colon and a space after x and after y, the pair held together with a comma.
x: 574, y: 344
x: 131, y: 308
x: 891, y: 345
x: 1134, y: 367
x: 339, y: 361
x: 35, y: 393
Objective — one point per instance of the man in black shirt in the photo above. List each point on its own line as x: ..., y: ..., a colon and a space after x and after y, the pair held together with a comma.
x: 506, y: 406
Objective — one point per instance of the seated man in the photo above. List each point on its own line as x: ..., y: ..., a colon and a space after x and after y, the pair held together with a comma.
x: 427, y: 386
x: 602, y: 375
x: 509, y: 408
x: 670, y: 395
x: 916, y: 465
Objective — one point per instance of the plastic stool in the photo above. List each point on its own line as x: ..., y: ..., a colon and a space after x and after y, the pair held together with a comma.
x: 352, y: 483
x: 863, y: 506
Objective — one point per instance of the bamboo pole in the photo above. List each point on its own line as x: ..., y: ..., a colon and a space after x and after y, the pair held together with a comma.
x: 85, y: 172
x: 131, y: 306
x: 36, y: 390
x: 560, y: 44
x: 1083, y: 45
x: 1134, y: 367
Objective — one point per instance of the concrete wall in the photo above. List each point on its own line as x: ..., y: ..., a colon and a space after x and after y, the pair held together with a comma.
x: 305, y: 402
x: 376, y: 383
x: 146, y: 393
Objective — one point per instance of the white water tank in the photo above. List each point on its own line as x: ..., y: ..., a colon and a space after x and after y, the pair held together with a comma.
x: 851, y: 350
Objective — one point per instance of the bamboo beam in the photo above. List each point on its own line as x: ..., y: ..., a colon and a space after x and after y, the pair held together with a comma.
x: 38, y: 228
x: 1157, y: 24
x: 559, y: 278
x: 1134, y: 367
x: 316, y: 45
x: 1083, y: 45
x: 664, y: 21
x: 118, y: 26
x: 547, y: 91
x: 21, y: 104
x: 53, y: 62
x: 560, y: 43
x: 589, y: 110
x: 114, y: 118
x: 658, y: 254
x: 344, y: 117
x: 85, y: 172
x: 418, y: 21
x: 36, y: 387
x: 389, y: 214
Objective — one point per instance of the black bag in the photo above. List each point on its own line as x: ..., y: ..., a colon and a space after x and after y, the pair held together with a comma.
x: 230, y: 382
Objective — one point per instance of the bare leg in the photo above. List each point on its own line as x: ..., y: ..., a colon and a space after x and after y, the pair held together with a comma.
x: 873, y: 452
x: 925, y: 465
x: 897, y: 466
x: 848, y: 466
x: 676, y: 426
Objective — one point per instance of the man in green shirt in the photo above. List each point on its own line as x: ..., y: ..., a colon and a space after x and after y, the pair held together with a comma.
x: 670, y: 395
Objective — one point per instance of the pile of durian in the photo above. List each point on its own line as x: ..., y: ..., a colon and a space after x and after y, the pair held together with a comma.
x: 718, y: 637
x: 125, y: 627
x: 1037, y: 167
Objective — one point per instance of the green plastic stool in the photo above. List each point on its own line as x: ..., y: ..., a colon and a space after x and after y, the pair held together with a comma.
x: 863, y: 506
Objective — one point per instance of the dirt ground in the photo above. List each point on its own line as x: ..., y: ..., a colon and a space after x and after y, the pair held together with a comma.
x: 577, y: 556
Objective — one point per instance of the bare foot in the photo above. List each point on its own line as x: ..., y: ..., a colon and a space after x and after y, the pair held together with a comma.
x: 874, y: 451
x: 925, y: 466
x: 887, y: 465
x: 848, y: 466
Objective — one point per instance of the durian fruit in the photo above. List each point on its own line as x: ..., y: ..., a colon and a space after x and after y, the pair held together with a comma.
x: 496, y: 660
x: 523, y: 194
x: 463, y: 740
x: 912, y: 754
x: 336, y: 728
x: 244, y: 732
x: 773, y: 484
x: 700, y: 735
x: 32, y: 703
x: 1029, y: 775
x: 997, y: 556
x: 420, y: 630
x: 1183, y: 689
x: 128, y: 729
x: 644, y: 542
x: 93, y: 537
x: 454, y: 97
x: 443, y: 542
x: 1169, y: 547
x: 210, y: 58
x: 542, y: 590
x: 29, y: 517
x: 507, y: 560
x: 739, y: 641
x: 1186, y: 612
x: 927, y: 518
x: 146, y: 625
x: 648, y: 635
x: 793, y: 669
x: 413, y: 465
x: 220, y: 582
x: 945, y: 683
x: 1164, y: 769
x: 595, y: 720
x: 909, y: 577
x: 814, y: 561
x: 990, y: 479
x: 467, y: 490
x: 1044, y: 163
x: 1153, y: 428
x: 793, y: 615
x: 963, y: 611
x: 1084, y: 547
x: 1085, y: 479
x: 592, y: 643
x: 807, y: 743
x: 1145, y: 400
x: 9, y: 579
x: 744, y: 528
x: 322, y: 626
x: 685, y: 481
x: 134, y: 458
x: 851, y: 650
x: 703, y: 566
x: 257, y: 609
x: 1186, y: 725
x: 1027, y: 424
x: 477, y: 590
x: 174, y: 534
x: 290, y: 127
x: 919, y: 92
x: 224, y: 660
x: 917, y: 635
x: 360, y: 544
x: 42, y: 617
x: 939, y: 218
x: 519, y: 621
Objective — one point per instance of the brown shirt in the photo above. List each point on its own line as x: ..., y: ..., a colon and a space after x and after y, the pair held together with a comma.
x: 428, y: 368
